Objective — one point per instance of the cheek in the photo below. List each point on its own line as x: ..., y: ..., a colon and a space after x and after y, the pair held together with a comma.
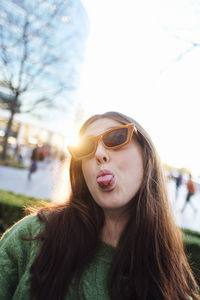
x: 132, y: 167
x: 87, y: 172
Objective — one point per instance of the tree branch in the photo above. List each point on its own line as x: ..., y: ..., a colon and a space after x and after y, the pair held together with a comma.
x: 189, y: 49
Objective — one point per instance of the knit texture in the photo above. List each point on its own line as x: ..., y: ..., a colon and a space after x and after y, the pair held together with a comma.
x: 17, y: 256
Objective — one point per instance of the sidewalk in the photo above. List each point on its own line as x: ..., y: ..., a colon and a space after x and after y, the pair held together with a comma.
x: 48, y: 182
x: 187, y: 219
x: 51, y: 182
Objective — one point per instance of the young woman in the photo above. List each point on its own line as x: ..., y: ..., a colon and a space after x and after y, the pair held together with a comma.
x: 115, y: 237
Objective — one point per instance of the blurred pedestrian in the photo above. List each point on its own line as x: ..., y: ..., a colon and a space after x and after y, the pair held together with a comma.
x: 179, y: 181
x: 190, y: 192
x: 34, y: 160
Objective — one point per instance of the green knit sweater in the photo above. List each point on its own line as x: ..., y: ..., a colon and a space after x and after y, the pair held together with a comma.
x: 17, y: 256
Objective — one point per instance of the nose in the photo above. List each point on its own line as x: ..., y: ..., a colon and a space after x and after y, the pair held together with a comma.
x: 101, y: 154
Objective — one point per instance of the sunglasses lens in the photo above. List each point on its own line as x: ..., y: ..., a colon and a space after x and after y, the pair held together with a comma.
x: 84, y: 148
x: 116, y: 137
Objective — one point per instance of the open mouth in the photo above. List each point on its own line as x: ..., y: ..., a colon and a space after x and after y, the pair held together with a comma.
x: 106, y: 180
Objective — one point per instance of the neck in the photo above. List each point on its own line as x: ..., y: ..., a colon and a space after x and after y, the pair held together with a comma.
x: 113, y: 228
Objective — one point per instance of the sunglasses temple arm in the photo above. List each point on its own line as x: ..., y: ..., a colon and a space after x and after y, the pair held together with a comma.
x: 135, y: 129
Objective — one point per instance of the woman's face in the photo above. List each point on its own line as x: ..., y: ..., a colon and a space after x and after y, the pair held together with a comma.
x: 113, y: 177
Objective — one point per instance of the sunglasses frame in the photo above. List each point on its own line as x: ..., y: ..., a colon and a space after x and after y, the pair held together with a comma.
x: 131, y: 128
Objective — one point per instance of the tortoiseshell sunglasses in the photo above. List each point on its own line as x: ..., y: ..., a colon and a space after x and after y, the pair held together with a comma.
x: 111, y: 139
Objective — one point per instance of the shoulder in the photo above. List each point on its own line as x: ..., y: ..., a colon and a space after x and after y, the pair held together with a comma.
x: 17, y: 253
x: 17, y: 245
x: 28, y: 227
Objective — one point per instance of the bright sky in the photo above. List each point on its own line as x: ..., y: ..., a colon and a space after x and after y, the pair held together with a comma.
x: 132, y: 66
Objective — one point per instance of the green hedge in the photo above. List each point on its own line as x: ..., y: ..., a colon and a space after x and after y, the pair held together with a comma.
x: 12, y: 208
x: 12, y: 163
x: 192, y: 247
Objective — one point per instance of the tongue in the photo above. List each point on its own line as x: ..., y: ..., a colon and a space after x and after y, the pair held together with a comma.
x: 105, y: 179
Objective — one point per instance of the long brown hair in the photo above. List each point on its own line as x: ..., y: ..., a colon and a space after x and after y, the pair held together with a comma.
x: 149, y: 264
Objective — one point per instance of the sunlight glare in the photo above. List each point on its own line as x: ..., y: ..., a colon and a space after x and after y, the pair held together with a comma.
x: 73, y: 139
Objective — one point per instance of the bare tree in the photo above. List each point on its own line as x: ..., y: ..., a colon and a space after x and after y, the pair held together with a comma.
x: 40, y: 48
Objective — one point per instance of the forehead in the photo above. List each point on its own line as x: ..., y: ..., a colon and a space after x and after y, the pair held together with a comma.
x: 101, y: 125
